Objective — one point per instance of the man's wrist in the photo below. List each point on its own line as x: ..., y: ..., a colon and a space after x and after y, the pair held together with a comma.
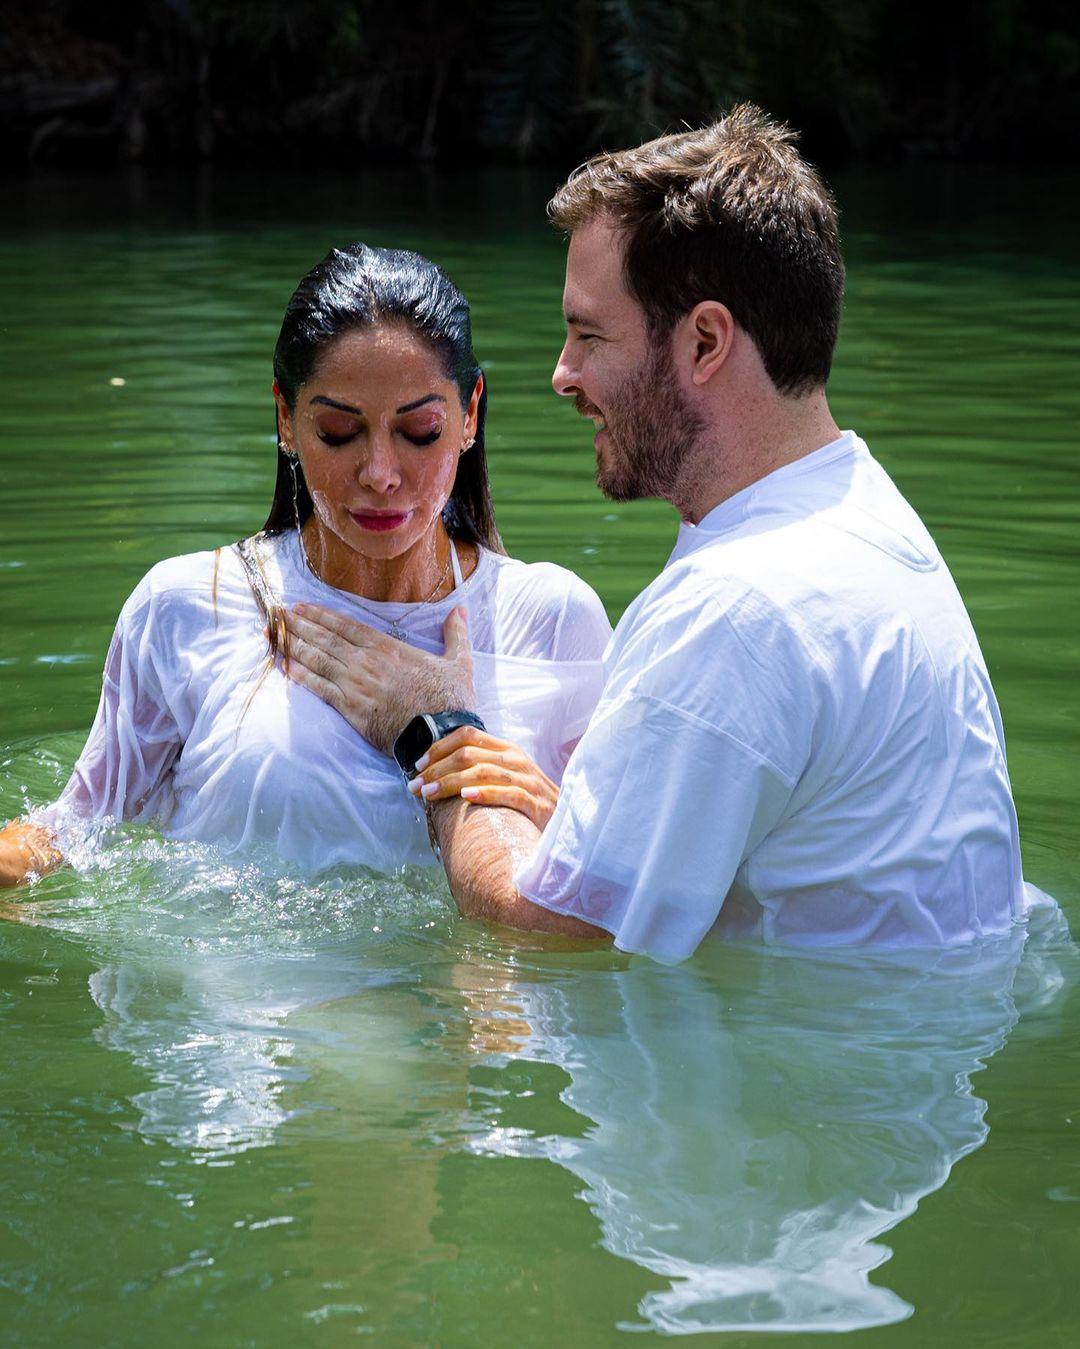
x: 438, y: 816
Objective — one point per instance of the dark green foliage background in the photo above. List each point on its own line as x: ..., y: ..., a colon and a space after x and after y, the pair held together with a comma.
x: 344, y: 82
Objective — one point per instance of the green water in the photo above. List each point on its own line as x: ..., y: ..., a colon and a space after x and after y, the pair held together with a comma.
x: 238, y: 1108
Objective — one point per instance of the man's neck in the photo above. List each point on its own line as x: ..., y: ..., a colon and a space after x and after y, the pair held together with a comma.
x: 750, y: 446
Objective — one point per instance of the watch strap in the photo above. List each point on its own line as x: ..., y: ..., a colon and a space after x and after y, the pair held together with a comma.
x: 438, y: 725
x: 446, y: 722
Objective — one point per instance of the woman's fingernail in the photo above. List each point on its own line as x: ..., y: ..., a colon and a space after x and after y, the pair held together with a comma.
x: 415, y: 784
x: 299, y: 609
x: 422, y: 762
x: 429, y: 789
x: 470, y: 793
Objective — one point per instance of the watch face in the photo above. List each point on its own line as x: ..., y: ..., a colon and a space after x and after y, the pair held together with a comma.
x: 415, y: 740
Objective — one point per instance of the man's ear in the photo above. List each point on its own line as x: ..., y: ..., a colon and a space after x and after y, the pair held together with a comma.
x: 710, y: 333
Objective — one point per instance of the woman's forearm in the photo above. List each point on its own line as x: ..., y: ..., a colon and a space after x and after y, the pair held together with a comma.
x: 26, y: 850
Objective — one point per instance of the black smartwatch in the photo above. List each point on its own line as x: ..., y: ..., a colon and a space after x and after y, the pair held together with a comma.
x: 422, y: 732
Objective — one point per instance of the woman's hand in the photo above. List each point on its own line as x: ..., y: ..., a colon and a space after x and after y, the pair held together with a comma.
x: 26, y: 850
x: 377, y: 683
x: 487, y: 771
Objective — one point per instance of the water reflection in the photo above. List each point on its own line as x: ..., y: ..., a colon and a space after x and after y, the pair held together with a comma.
x: 759, y: 1120
x: 212, y: 1046
x: 202, y: 961
x: 747, y: 1128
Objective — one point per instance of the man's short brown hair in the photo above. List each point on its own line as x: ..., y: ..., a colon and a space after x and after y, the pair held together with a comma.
x: 731, y: 213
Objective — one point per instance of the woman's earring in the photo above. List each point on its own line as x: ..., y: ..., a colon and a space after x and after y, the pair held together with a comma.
x: 289, y: 454
x: 468, y: 444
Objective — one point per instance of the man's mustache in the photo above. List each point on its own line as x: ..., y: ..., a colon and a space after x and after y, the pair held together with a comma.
x: 587, y: 409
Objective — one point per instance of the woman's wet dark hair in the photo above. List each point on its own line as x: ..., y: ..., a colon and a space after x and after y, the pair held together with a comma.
x: 354, y: 288
x: 360, y: 287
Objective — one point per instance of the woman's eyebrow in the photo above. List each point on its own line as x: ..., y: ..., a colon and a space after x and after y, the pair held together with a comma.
x: 333, y: 403
x: 427, y: 398
x: 405, y: 407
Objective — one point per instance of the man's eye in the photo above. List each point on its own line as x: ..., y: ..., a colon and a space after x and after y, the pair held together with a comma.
x: 588, y: 337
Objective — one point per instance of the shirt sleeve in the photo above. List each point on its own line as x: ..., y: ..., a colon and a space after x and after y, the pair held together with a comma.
x: 123, y: 770
x: 689, y: 762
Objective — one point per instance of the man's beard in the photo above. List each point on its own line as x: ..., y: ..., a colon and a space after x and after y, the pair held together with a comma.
x: 651, y: 430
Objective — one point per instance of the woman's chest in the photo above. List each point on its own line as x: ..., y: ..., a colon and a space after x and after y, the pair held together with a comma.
x: 264, y: 760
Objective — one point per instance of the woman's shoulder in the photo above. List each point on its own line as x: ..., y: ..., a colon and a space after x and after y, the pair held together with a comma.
x: 547, y: 582
x: 190, y: 582
x: 546, y: 610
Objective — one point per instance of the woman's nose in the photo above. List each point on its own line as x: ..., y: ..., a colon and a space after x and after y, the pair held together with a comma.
x: 564, y: 378
x: 378, y: 470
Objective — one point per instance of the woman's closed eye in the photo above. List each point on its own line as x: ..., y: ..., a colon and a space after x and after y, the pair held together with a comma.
x: 422, y: 432
x: 337, y: 430
x: 336, y: 435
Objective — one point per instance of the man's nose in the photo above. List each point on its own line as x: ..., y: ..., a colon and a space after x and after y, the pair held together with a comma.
x: 565, y: 377
x: 379, y: 470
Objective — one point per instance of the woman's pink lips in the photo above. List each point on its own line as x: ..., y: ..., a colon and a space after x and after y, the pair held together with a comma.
x: 379, y: 523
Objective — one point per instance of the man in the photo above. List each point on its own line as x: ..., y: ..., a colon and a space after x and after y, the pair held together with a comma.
x: 797, y: 738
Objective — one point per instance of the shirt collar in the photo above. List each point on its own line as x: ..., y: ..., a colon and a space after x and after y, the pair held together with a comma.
x: 735, y: 509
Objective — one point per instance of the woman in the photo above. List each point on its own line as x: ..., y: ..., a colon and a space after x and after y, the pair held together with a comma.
x: 381, y: 511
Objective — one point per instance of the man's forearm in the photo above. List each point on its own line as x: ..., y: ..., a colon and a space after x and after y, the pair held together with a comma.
x: 481, y: 847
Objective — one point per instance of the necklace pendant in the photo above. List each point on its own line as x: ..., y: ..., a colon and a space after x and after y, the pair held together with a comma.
x: 398, y: 633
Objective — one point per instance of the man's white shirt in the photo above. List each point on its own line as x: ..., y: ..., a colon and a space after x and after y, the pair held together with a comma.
x: 797, y: 738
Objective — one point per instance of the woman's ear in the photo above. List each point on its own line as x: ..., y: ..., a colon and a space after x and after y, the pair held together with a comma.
x: 472, y: 412
x: 284, y: 421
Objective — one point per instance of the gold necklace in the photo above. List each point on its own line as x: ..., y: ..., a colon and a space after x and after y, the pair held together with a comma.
x: 395, y: 629
x: 393, y: 626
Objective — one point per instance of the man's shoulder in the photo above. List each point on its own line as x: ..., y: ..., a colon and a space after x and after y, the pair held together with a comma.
x: 771, y: 609
x: 745, y: 581
x: 849, y: 564
x: 714, y: 642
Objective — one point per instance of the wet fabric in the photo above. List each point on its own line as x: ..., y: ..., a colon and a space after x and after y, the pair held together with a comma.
x: 196, y: 732
x: 797, y: 739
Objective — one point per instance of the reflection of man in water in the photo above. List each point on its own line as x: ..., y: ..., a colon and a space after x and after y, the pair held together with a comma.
x: 750, y: 1140
x: 797, y: 737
